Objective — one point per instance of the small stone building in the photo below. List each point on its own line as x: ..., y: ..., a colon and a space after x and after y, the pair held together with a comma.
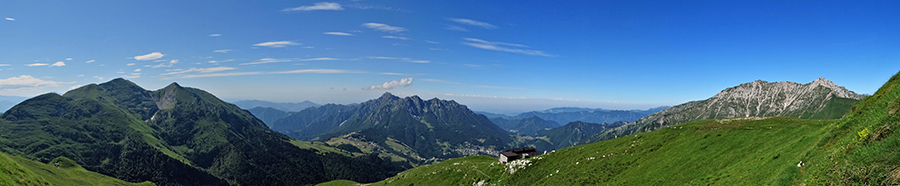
x: 519, y: 153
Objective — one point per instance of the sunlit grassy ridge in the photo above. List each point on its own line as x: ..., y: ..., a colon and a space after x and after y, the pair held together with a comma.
x: 862, y: 148
x: 718, y: 152
x: 20, y: 171
x: 858, y: 149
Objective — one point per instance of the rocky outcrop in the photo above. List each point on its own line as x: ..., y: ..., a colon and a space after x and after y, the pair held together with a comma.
x: 819, y: 99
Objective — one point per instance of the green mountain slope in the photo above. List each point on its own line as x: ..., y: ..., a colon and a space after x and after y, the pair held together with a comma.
x: 568, y: 135
x: 409, y: 129
x: 20, y: 171
x: 862, y: 148
x: 820, y: 99
x: 746, y: 151
x: 171, y: 136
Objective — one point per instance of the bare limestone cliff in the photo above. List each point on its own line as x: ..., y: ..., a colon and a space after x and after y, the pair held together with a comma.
x: 820, y: 99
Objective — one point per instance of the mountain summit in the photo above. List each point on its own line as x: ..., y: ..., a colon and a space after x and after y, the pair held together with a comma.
x: 819, y: 99
x: 410, y: 127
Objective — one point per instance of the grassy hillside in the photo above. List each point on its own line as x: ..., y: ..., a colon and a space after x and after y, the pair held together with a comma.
x: 16, y: 170
x: 862, y: 148
x: 717, y: 152
x: 172, y: 136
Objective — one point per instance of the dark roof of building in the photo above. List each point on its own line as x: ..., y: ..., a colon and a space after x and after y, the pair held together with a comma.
x: 508, y: 153
x: 515, y: 152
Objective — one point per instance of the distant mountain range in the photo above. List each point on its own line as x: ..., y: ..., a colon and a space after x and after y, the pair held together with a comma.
x: 268, y: 114
x: 356, y: 124
x: 288, y: 107
x: 820, y: 99
x: 571, y: 114
x: 409, y: 127
x: 528, y: 126
x: 172, y: 136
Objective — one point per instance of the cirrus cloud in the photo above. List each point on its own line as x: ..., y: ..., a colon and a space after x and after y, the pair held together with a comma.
x: 276, y: 44
x: 384, y: 27
x: 473, y: 23
x: 338, y: 33
x: 503, y: 47
x: 395, y: 37
x: 317, y: 6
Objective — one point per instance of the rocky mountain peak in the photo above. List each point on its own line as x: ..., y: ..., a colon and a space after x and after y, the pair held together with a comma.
x: 819, y: 99
x: 388, y: 96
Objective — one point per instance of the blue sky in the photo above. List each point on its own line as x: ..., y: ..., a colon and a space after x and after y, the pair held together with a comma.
x: 492, y: 56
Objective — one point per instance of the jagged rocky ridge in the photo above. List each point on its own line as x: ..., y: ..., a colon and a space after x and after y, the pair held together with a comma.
x: 820, y: 99
x: 410, y: 127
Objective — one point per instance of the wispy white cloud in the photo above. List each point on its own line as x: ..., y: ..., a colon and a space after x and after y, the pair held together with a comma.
x: 395, y: 37
x: 98, y: 77
x: 214, y: 61
x: 137, y: 70
x: 215, y: 35
x: 267, y: 60
x: 222, y: 51
x: 200, y: 70
x: 432, y: 42
x: 338, y: 33
x: 10, y: 19
x: 25, y: 81
x: 90, y: 61
x: 150, y: 56
x: 384, y: 27
x: 166, y: 64
x: 273, y: 60
x: 501, y: 46
x: 276, y: 44
x: 401, y: 59
x: 130, y: 64
x: 58, y: 64
x: 391, y: 84
x: 4, y: 65
x: 456, y: 28
x: 494, y: 43
x: 303, y: 71
x: 317, y: 6
x: 132, y: 75
x: 37, y: 64
x: 473, y: 23
x: 68, y: 59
